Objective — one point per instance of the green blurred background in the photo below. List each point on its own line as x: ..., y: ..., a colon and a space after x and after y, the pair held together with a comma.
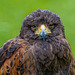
x: 12, y: 13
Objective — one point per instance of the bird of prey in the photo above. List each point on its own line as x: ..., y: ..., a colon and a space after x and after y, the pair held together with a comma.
x: 40, y: 49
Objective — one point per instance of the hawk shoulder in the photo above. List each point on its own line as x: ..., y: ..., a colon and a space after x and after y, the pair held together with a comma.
x: 12, y: 56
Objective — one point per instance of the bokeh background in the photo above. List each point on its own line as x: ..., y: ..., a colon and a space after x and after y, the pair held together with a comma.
x: 12, y: 13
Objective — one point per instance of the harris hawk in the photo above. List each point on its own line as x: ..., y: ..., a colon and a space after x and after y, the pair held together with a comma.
x: 40, y: 49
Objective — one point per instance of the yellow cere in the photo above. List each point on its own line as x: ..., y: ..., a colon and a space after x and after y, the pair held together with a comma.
x: 42, y: 27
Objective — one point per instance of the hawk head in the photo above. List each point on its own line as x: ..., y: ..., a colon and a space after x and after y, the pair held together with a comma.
x: 41, y: 25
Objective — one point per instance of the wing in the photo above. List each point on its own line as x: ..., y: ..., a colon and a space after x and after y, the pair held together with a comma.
x: 72, y: 66
x: 14, y: 58
x: 70, y: 57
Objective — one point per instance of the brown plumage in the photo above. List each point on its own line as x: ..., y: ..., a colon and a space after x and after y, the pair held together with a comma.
x: 40, y: 49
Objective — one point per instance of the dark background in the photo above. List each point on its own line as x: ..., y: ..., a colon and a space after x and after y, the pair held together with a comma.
x: 12, y: 13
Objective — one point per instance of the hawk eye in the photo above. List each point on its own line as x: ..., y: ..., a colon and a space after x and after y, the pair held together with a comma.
x: 33, y: 27
x: 51, y: 25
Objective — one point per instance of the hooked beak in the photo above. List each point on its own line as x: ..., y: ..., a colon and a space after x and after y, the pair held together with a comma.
x: 43, y: 31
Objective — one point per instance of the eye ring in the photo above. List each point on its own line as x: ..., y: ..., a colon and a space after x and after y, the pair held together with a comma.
x: 51, y: 25
x: 33, y: 27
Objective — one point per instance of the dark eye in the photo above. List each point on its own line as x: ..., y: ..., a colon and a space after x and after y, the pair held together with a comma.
x: 33, y: 27
x: 51, y: 25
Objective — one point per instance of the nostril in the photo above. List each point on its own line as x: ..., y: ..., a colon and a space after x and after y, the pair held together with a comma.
x: 45, y: 28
